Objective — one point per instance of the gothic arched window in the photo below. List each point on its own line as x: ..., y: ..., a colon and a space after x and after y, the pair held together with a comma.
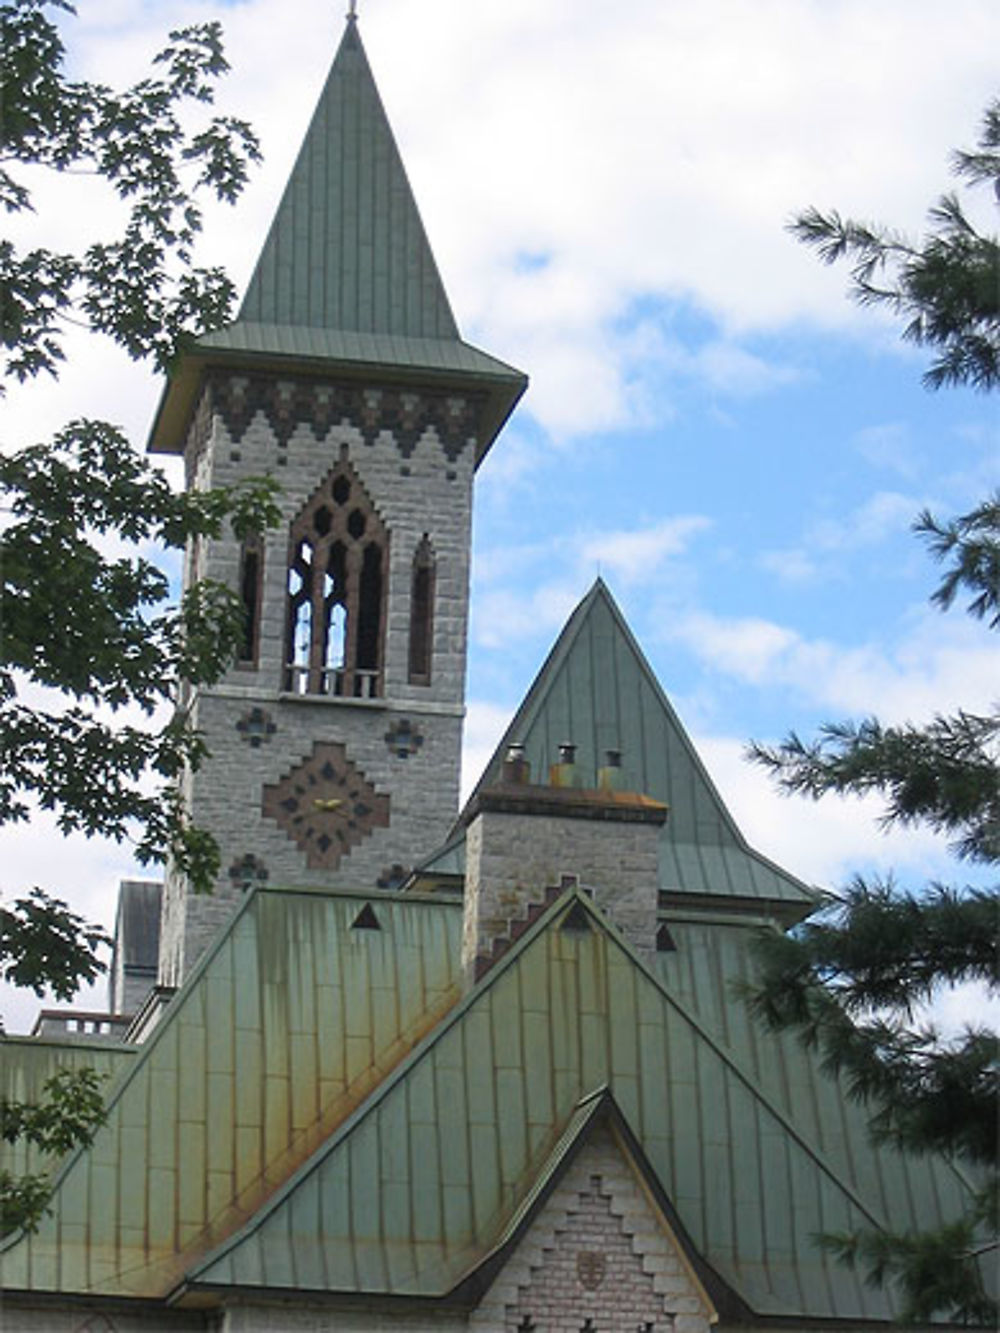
x: 421, y: 613
x: 336, y: 592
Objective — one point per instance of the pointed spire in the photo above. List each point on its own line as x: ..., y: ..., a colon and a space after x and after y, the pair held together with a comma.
x: 347, y: 250
x: 346, y: 277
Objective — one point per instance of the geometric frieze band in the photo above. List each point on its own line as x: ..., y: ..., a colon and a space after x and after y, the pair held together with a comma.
x: 326, y: 805
x: 405, y: 413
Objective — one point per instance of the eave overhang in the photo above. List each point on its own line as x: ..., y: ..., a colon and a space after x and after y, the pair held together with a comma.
x: 435, y: 363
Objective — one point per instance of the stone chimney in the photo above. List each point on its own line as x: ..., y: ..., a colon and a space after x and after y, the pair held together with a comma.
x: 524, y: 841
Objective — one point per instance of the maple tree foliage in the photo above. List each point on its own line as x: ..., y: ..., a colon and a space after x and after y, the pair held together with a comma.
x: 95, y: 652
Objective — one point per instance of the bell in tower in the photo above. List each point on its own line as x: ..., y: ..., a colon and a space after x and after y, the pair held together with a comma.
x: 335, y: 740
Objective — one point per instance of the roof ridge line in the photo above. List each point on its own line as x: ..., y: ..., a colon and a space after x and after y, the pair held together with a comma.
x: 143, y: 1051
x: 729, y: 1059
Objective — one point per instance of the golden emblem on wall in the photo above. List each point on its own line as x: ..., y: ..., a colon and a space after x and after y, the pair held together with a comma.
x: 591, y: 1267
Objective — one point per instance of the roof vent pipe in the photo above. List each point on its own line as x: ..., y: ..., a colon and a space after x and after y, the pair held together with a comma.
x: 515, y: 768
x: 563, y: 774
x: 609, y: 778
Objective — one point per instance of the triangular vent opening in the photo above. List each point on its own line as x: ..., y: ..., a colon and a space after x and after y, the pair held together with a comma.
x: 665, y: 942
x: 366, y: 919
x: 576, y: 919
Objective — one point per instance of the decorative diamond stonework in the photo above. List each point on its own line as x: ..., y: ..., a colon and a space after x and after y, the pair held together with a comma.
x: 403, y: 738
x: 247, y: 871
x: 326, y: 805
x: 255, y: 726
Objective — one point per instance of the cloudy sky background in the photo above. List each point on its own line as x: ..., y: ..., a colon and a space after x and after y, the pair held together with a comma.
x: 711, y: 425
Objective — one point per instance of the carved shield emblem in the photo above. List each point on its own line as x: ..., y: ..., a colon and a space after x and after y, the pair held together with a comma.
x: 591, y: 1266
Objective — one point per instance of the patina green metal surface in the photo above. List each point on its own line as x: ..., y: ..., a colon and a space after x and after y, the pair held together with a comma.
x: 319, y: 1111
x: 27, y: 1063
x: 597, y: 690
x: 426, y: 355
x: 346, y: 282
x: 347, y: 248
x: 427, y: 1176
x: 283, y: 1029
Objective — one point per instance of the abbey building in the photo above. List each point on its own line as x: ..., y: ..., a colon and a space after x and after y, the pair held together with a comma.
x: 409, y: 1065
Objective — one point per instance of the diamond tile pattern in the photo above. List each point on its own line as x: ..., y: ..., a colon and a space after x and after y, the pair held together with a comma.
x: 326, y: 805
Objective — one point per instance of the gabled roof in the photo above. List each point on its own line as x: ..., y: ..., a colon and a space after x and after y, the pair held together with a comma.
x: 597, y: 690
x: 318, y: 1112
x: 284, y: 1026
x: 443, y: 1162
x: 346, y: 279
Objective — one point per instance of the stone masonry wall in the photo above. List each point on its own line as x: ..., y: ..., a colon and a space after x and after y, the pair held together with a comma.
x: 406, y: 745
x: 512, y: 858
x: 597, y: 1259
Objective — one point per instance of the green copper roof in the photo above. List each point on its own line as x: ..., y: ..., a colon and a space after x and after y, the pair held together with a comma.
x: 597, y: 690
x: 347, y: 249
x: 426, y: 355
x: 435, y: 1169
x: 346, y: 283
x: 287, y: 1024
x: 319, y: 1111
x: 27, y: 1063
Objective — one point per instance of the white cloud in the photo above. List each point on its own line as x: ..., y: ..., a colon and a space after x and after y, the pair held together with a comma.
x: 935, y: 665
x: 823, y: 842
x: 501, y: 616
x: 655, y: 151
x: 887, y: 446
x: 790, y: 566
x: 485, y: 723
x: 637, y: 554
x: 884, y: 514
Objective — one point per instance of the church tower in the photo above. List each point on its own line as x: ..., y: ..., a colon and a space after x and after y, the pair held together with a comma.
x: 335, y: 739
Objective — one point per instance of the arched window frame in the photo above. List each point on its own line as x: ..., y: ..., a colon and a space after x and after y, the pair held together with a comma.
x: 338, y: 559
x: 422, y: 589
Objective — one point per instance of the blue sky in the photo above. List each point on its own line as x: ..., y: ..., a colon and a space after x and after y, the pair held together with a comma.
x: 711, y: 425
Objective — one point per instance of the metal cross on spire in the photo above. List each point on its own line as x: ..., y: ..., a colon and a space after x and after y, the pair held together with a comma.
x: 352, y: 11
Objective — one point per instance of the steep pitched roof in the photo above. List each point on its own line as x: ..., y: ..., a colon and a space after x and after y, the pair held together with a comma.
x: 597, y: 689
x: 347, y: 249
x: 318, y: 1112
x: 346, y: 277
x: 433, y: 1173
x: 284, y: 1026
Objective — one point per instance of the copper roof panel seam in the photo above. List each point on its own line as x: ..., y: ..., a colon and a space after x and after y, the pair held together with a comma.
x: 437, y: 1037
x: 371, y: 1104
x: 144, y: 1054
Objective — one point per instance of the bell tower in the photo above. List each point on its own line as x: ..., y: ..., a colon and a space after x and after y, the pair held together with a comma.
x: 335, y: 740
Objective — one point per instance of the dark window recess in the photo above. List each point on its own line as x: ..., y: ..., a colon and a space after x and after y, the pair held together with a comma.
x: 366, y: 919
x: 576, y: 919
x: 251, y: 579
x: 337, y: 575
x: 665, y: 942
x: 421, y: 613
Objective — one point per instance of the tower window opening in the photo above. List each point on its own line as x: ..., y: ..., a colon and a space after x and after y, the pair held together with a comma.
x: 338, y: 569
x: 251, y: 580
x: 421, y: 613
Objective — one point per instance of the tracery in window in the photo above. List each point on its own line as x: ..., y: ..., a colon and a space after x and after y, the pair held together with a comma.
x: 336, y: 591
x: 421, y: 613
